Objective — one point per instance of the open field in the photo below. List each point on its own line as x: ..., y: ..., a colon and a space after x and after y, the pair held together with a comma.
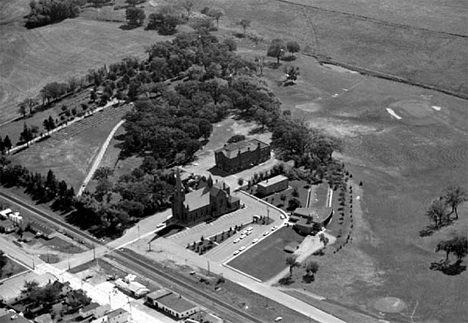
x: 404, y: 164
x: 419, y: 55
x: 69, y: 152
x: 29, y: 59
x: 267, y: 258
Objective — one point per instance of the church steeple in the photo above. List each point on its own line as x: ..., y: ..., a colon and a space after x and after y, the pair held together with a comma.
x: 180, y: 191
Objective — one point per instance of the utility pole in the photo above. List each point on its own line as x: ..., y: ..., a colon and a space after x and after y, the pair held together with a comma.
x: 149, y: 246
x: 94, y: 252
x: 139, y: 237
x: 68, y: 258
x: 208, y: 266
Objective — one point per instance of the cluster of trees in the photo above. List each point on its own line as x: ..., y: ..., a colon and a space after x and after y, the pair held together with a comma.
x: 311, y: 267
x: 439, y: 214
x: 112, y: 208
x: 3, y: 261
x: 28, y: 133
x: 44, y: 12
x: 5, y: 144
x: 50, y: 294
x: 458, y: 246
x: 278, y: 47
x: 40, y: 188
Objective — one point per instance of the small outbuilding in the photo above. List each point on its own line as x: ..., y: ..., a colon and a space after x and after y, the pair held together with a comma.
x: 272, y: 185
x: 309, y: 220
x: 171, y: 303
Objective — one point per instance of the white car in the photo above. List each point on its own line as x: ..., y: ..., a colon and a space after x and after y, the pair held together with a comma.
x: 160, y: 225
x: 282, y: 217
x: 249, y: 229
x: 244, y: 232
x: 274, y: 228
x: 242, y: 236
x: 237, y: 240
x: 236, y: 252
x: 242, y: 248
x: 255, y: 240
x: 266, y: 233
x: 248, y: 233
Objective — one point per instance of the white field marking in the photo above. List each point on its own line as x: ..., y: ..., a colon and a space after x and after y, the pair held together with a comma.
x: 393, y: 114
x: 358, y: 197
x: 335, y: 95
x: 435, y: 107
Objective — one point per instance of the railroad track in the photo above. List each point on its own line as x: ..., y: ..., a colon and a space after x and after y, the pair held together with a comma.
x: 129, y: 261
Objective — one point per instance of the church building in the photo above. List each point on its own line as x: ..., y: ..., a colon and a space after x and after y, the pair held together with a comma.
x: 211, y: 201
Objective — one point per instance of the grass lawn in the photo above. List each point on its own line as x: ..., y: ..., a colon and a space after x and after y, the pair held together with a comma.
x: 70, y: 152
x: 11, y: 268
x: 267, y: 258
x: 33, y: 58
x: 60, y: 245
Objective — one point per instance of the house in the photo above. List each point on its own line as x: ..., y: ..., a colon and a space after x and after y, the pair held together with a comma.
x: 16, y: 217
x: 13, y: 318
x: 272, y: 185
x: 310, y: 220
x: 42, y: 230
x: 44, y: 318
x: 118, y: 316
x: 7, y: 226
x: 4, y: 213
x: 171, y: 303
x: 11, y: 289
x: 242, y: 155
x: 210, y: 201
x: 131, y: 287
x: 94, y: 309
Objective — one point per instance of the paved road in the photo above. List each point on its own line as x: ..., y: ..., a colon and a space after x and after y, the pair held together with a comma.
x: 128, y: 261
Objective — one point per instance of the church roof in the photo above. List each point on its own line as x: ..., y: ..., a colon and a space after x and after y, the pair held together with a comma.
x: 197, y: 199
x: 232, y: 150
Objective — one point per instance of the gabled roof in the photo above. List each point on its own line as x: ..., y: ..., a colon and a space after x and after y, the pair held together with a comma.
x: 232, y: 150
x: 90, y: 307
x: 273, y: 180
x: 116, y: 312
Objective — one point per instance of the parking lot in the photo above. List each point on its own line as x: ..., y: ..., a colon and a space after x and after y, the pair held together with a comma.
x: 225, y: 250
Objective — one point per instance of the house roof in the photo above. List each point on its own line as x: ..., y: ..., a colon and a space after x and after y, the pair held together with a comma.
x: 317, y: 215
x: 44, y: 318
x: 6, y: 223
x: 232, y: 150
x: 176, y: 302
x: 13, y: 318
x: 90, y: 307
x: 158, y: 293
x: 11, y: 288
x: 272, y: 181
x: 135, y: 287
x: 40, y: 227
x: 116, y: 312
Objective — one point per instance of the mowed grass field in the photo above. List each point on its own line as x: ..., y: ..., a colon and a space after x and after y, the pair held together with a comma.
x: 29, y: 59
x: 267, y: 258
x: 427, y: 56
x: 404, y: 164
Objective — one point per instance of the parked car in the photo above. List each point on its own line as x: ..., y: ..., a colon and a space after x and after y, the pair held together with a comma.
x: 242, y: 248
x: 237, y: 240
x: 255, y: 240
x: 266, y: 233
x: 236, y: 252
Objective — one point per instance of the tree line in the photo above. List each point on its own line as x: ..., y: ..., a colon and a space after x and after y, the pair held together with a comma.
x: 45, y: 12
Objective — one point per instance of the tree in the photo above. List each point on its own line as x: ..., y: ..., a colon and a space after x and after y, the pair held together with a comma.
x: 236, y: 138
x: 311, y: 268
x: 437, y: 212
x: 292, y: 72
x: 231, y: 44
x: 294, y: 203
x: 22, y: 109
x: 49, y: 124
x: 187, y: 5
x: 292, y: 263
x: 457, y: 245
x: 164, y: 23
x: 133, y: 3
x: 135, y: 16
x: 3, y: 261
x: 293, y: 47
x: 454, y: 196
x: 7, y: 143
x: 216, y: 14
x: 244, y: 23
x: 276, y: 49
x: 103, y: 173
x: 324, y: 240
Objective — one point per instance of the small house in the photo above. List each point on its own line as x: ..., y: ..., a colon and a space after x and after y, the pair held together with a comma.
x: 7, y: 226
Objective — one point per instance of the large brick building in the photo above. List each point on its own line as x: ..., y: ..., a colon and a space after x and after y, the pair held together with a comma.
x: 242, y: 155
x: 210, y: 201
